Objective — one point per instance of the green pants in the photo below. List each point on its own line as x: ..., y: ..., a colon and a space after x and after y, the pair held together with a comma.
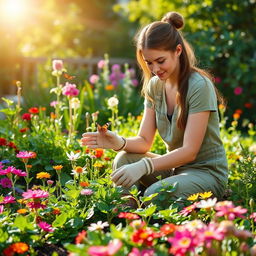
x: 188, y: 181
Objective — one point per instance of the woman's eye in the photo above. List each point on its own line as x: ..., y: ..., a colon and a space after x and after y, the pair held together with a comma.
x: 161, y: 62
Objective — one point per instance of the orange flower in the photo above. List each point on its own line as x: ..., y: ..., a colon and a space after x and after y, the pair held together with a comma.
x: 80, y: 237
x: 43, y: 175
x: 109, y: 87
x: 167, y: 229
x: 42, y: 108
x: 98, y: 152
x: 79, y: 169
x: 53, y: 116
x: 22, y: 211
x: 221, y: 106
x: 29, y: 166
x: 84, y: 184
x: 19, y: 247
x: 57, y: 167
x: 236, y: 116
x: 139, y: 118
x: 56, y: 211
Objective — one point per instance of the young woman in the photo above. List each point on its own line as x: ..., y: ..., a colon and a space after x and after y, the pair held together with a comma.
x: 181, y: 103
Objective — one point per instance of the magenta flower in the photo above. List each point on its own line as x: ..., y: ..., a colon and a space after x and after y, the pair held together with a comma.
x: 45, y: 226
x: 70, y: 90
x: 145, y: 252
x: 17, y: 172
x: 4, y: 172
x: 25, y: 154
x: 253, y: 216
x: 8, y: 200
x: 116, y: 76
x: 6, y: 183
x: 57, y: 65
x: 238, y: 90
x: 217, y: 80
x: 1, y: 209
x: 35, y: 205
x: 101, y: 64
x: 227, y: 209
x: 86, y: 192
x: 94, y: 79
x: 112, y: 248
x: 35, y: 194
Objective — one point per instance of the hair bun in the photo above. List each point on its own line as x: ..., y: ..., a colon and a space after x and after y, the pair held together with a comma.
x: 174, y: 18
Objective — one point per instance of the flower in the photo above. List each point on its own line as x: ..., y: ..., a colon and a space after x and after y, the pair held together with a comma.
x: 3, y: 142
x: 8, y: 200
x: 26, y: 154
x: 238, y: 90
x: 79, y: 169
x: 101, y: 64
x: 248, y: 105
x: 17, y: 172
x: 54, y: 103
x: 94, y: 79
x: 144, y: 236
x: 35, y: 194
x: 193, y: 197
x: 45, y: 226
x: 22, y: 130
x: 112, y: 248
x: 112, y: 102
x: 57, y: 167
x: 80, y: 237
x: 109, y: 87
x: 70, y: 90
x: 207, y: 203
x: 98, y: 226
x: 57, y: 65
x: 253, y: 216
x: 84, y: 184
x: 26, y: 116
x: 18, y: 247
x: 22, y: 211
x: 98, y: 165
x: 6, y: 183
x: 86, y: 192
x: 1, y: 208
x: 75, y: 103
x: 33, y: 110
x: 144, y: 252
x: 98, y: 152
x: 50, y: 182
x: 205, y: 195
x: 73, y: 156
x: 168, y: 229
x: 128, y: 215
x: 43, y: 175
x: 36, y: 205
x: 56, y: 211
x: 217, y: 80
x: 187, y: 210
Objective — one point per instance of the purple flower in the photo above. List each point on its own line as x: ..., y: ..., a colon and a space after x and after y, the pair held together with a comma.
x: 94, y: 79
x: 70, y: 90
x: 6, y: 183
x: 135, y: 82
x: 116, y: 68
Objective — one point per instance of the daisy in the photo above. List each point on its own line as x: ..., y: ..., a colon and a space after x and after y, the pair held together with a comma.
x: 98, y: 226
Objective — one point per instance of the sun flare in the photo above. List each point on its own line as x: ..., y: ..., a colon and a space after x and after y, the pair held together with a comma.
x: 14, y: 9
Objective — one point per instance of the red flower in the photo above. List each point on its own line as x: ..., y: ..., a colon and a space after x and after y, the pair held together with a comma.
x: 3, y: 142
x: 248, y: 105
x: 8, y: 251
x: 11, y: 145
x: 98, y: 152
x: 33, y: 110
x: 80, y: 237
x: 24, y: 129
x: 26, y: 116
x: 128, y: 215
x: 167, y: 229
x: 144, y: 236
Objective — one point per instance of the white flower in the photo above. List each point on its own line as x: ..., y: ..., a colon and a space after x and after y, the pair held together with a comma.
x: 209, y: 203
x: 75, y: 103
x: 112, y: 102
x: 72, y: 156
x: 98, y: 226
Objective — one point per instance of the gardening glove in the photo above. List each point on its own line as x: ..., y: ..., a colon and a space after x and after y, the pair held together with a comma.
x: 128, y: 174
x: 103, y: 139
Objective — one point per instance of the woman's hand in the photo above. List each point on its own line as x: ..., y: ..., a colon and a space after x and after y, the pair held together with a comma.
x: 102, y: 139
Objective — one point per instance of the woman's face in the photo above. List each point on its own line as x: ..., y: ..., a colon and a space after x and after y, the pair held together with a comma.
x: 164, y: 64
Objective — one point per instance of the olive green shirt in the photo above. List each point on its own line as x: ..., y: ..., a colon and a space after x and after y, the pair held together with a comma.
x: 201, y: 96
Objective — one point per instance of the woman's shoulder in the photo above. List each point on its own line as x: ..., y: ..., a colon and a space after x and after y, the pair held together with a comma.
x: 197, y: 79
x: 155, y: 86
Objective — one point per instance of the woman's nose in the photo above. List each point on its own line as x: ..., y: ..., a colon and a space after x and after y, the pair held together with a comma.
x: 155, y: 68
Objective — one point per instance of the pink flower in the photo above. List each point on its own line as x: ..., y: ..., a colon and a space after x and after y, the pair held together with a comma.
x: 112, y: 248
x: 238, y: 90
x: 253, y: 216
x: 1, y: 208
x: 26, y: 116
x: 54, y: 103
x: 4, y: 172
x: 36, y: 205
x: 50, y: 182
x: 187, y: 210
x: 145, y: 252
x: 86, y: 192
x: 70, y: 90
x: 227, y: 209
x: 101, y: 64
x: 8, y: 200
x: 94, y: 79
x: 35, y: 194
x: 217, y: 80
x: 6, y: 183
x: 17, y: 172
x: 135, y: 82
x: 45, y: 226
x: 57, y: 65
x: 25, y: 154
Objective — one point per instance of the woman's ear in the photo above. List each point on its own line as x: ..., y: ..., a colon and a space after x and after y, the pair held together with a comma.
x: 178, y: 50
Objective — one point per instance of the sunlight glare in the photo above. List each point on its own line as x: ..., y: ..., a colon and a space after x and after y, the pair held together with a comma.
x: 14, y: 9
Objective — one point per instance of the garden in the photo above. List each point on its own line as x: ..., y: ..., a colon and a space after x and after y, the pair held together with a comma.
x: 57, y: 197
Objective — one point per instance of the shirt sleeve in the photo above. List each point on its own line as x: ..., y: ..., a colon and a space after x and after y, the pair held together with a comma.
x: 151, y: 93
x: 202, y: 97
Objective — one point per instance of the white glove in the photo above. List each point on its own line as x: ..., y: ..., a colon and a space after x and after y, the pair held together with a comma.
x: 107, y: 140
x: 128, y: 174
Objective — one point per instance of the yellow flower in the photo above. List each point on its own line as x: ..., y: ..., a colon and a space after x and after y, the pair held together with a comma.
x: 193, y: 197
x: 57, y: 167
x: 205, y: 195
x: 43, y: 175
x: 98, y: 165
x: 221, y: 106
x: 22, y: 211
x: 139, y: 118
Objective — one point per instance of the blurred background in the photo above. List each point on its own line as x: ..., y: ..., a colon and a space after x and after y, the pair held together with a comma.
x: 80, y: 32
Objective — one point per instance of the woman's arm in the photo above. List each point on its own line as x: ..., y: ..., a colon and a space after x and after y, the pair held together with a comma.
x: 193, y: 138
x: 143, y: 141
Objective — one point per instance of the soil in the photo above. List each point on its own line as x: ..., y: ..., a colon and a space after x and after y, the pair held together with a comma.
x: 49, y: 249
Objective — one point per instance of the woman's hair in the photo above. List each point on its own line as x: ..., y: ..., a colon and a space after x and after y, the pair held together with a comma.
x: 165, y: 35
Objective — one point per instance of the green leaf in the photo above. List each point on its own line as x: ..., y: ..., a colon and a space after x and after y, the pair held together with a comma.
x: 22, y: 224
x: 148, y: 198
x: 3, y: 236
x: 60, y: 220
x: 72, y: 193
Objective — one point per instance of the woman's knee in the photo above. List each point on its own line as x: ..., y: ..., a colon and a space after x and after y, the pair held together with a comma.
x: 120, y: 160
